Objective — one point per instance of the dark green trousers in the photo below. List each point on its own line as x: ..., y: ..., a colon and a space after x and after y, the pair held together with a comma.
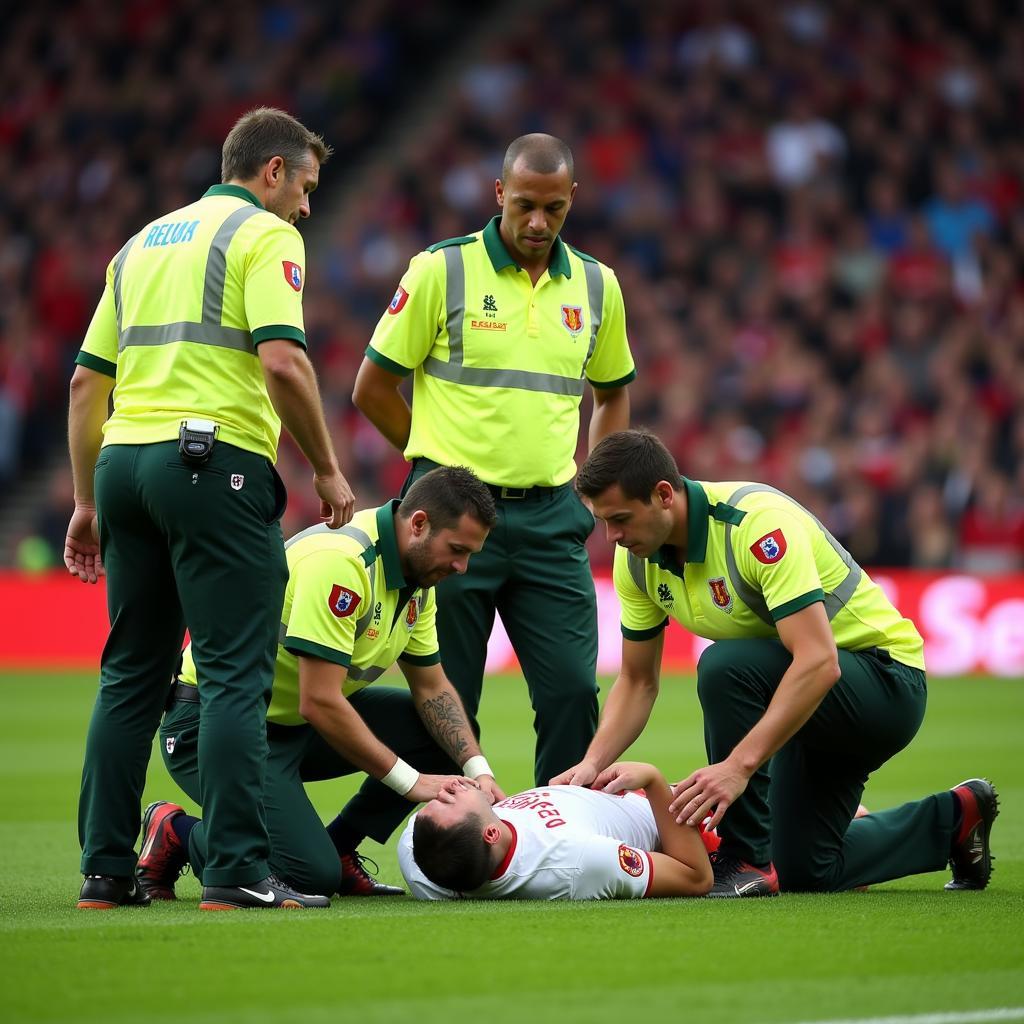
x: 200, y: 549
x: 797, y: 810
x: 301, y: 852
x: 534, y: 572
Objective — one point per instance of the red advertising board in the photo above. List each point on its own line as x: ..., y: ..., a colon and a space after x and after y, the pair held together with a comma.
x: 970, y: 624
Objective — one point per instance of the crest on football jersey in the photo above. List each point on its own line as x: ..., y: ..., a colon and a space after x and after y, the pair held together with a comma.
x: 720, y: 593
x: 292, y: 274
x: 412, y: 612
x: 342, y: 602
x: 770, y: 548
x: 169, y: 744
x: 631, y: 861
x: 572, y: 318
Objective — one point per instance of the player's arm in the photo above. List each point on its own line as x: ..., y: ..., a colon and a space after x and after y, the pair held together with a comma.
x: 325, y: 707
x: 377, y: 397
x: 682, y: 868
x: 626, y: 709
x: 291, y: 384
x: 814, y: 670
x: 88, y: 407
x: 441, y: 711
x: 611, y: 413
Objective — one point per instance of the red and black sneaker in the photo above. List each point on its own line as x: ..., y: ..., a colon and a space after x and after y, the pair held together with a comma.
x: 969, y: 853
x: 163, y: 855
x: 357, y: 881
x: 735, y: 878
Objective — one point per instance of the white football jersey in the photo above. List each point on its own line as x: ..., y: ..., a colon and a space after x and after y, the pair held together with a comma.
x: 568, y: 843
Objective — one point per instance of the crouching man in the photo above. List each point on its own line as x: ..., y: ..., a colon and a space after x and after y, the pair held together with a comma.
x: 359, y: 599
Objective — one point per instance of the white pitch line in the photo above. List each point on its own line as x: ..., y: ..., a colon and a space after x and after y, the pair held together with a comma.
x: 1004, y: 1013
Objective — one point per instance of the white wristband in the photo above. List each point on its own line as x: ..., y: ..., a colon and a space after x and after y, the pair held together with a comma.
x: 401, y: 778
x: 477, y: 766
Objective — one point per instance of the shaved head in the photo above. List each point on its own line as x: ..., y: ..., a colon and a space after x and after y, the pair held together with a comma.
x: 542, y: 154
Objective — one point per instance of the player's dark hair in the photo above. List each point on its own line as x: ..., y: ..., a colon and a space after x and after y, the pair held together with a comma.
x: 635, y: 460
x: 446, y: 494
x: 264, y: 133
x: 542, y: 154
x: 455, y: 857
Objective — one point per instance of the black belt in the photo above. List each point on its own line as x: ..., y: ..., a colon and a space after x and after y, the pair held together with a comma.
x: 505, y: 493
x: 182, y: 692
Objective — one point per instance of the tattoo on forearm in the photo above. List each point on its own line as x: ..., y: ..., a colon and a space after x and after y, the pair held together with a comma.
x: 446, y: 722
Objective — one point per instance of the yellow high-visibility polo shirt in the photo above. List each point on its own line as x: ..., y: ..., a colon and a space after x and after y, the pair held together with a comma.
x: 347, y: 602
x: 186, y: 302
x: 500, y: 364
x: 754, y: 556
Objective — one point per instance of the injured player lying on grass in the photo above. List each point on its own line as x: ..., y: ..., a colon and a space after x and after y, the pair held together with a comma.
x: 557, y: 843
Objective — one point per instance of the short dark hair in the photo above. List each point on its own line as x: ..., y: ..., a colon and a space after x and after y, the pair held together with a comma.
x: 635, y: 460
x: 543, y: 154
x: 446, y: 494
x: 264, y: 133
x: 455, y: 857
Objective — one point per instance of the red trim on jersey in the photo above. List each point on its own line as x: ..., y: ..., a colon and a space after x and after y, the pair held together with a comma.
x: 650, y: 875
x: 503, y: 866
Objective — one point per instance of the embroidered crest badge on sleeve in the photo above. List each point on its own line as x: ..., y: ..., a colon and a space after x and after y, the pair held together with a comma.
x: 572, y: 318
x: 631, y: 861
x: 412, y: 612
x: 770, y: 548
x: 342, y: 602
x: 400, y: 299
x: 292, y: 274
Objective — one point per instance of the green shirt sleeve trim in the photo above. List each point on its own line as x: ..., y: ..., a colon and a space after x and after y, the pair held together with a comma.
x: 91, y: 362
x: 797, y: 604
x: 387, y: 364
x: 644, y: 634
x: 631, y: 376
x: 421, y: 659
x: 277, y: 332
x: 296, y: 645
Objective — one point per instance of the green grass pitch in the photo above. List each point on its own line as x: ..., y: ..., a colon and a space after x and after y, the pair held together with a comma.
x: 903, y: 948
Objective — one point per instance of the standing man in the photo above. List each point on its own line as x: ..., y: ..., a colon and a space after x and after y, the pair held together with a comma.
x: 815, y: 680
x: 502, y: 329
x: 199, y: 335
x: 358, y: 600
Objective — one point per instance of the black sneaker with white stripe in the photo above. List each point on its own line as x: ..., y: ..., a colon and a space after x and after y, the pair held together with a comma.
x: 105, y: 892
x: 269, y: 894
x: 969, y: 854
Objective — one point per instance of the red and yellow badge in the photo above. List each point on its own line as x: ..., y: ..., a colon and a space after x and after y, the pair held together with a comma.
x: 770, y: 548
x: 720, y: 592
x: 292, y: 274
x: 342, y: 602
x: 400, y: 299
x: 572, y: 318
x: 412, y: 612
x: 631, y: 861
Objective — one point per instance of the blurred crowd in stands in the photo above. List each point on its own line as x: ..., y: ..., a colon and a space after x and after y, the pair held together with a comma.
x: 816, y: 211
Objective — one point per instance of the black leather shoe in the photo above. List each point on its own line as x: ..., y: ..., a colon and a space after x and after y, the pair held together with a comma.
x: 105, y: 892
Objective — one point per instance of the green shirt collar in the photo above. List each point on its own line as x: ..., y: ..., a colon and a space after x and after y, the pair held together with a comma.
x: 500, y: 258
x: 666, y: 557
x: 387, y: 545
x: 234, y: 190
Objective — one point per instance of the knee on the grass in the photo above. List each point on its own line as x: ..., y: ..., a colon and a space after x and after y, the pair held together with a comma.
x: 802, y: 877
x: 314, y: 879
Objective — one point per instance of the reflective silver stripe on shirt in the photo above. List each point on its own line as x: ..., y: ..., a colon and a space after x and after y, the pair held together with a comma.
x: 835, y: 601
x: 366, y: 675
x: 524, y: 380
x: 455, y: 372
x: 119, y: 261
x: 455, y: 301
x: 209, y: 330
x: 595, y: 297
x: 637, y: 569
